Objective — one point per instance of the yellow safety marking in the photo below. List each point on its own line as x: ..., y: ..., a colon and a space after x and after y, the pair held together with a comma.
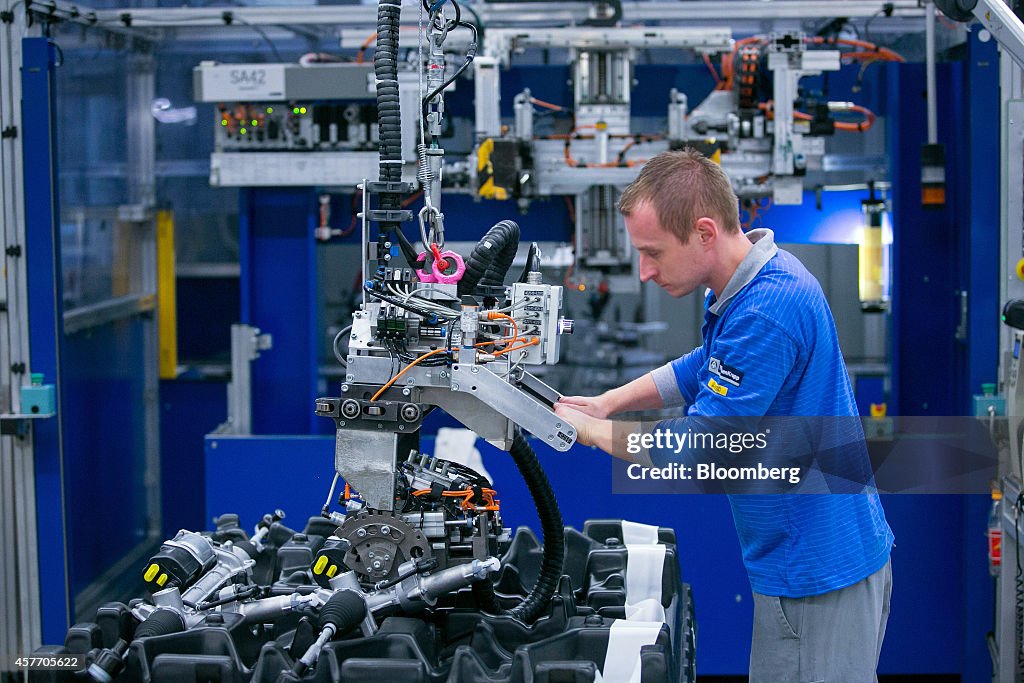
x: 717, y: 388
x: 167, y: 300
x: 162, y: 580
x: 332, y: 571
x: 483, y: 155
x: 151, y: 572
x: 318, y: 568
x: 491, y: 191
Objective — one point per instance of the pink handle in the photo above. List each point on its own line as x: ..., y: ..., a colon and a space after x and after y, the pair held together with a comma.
x: 456, y: 269
x: 423, y: 275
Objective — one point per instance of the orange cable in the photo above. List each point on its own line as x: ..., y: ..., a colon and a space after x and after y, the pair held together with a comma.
x: 408, y: 367
x: 492, y: 315
x: 366, y: 44
x: 533, y: 342
x: 546, y: 105
x: 711, y: 68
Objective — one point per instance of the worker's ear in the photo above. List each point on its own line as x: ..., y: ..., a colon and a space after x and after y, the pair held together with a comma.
x: 706, y: 230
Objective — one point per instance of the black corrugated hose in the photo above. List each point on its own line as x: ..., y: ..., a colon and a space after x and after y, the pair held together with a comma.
x: 160, y: 623
x: 536, y: 603
x: 491, y: 258
x: 389, y: 116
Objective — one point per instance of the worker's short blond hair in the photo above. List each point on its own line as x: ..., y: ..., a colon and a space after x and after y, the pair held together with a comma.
x: 683, y: 186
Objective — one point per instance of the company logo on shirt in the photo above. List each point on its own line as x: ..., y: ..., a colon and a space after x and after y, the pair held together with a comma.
x: 726, y: 373
x: 717, y: 388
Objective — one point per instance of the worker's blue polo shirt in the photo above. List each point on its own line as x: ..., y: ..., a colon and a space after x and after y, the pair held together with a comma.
x: 773, y: 336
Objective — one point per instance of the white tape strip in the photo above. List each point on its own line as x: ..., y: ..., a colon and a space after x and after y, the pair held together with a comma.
x: 622, y: 661
x: 644, y: 569
x: 638, y: 534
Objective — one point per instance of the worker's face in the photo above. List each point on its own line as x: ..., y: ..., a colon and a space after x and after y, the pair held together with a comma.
x: 676, y: 267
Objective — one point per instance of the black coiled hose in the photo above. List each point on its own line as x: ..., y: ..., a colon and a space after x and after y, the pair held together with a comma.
x: 389, y: 116
x: 160, y: 623
x: 491, y: 258
x: 554, y: 540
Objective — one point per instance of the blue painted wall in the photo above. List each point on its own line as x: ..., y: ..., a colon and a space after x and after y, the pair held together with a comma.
x: 190, y: 408
x: 104, y: 447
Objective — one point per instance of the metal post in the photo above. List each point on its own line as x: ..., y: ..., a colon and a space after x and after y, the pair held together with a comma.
x: 20, y: 620
x: 46, y: 326
x: 140, y: 90
x: 139, y: 125
x: 246, y: 344
x: 929, y: 49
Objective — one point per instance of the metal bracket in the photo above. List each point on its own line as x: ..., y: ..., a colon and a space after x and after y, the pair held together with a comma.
x: 515, y: 405
x: 17, y: 424
x: 388, y: 187
x: 386, y: 216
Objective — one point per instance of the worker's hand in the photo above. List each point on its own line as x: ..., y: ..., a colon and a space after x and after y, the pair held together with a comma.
x: 588, y: 428
x: 594, y: 406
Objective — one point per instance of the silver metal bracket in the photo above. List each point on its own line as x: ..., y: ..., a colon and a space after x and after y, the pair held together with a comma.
x: 514, y: 404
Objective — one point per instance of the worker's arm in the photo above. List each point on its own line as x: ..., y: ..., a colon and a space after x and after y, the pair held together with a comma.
x: 640, y: 394
x: 611, y: 436
x: 669, y: 385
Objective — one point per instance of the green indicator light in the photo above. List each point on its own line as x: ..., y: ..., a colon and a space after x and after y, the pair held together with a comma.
x: 223, y: 122
x: 302, y: 110
x: 254, y: 122
x: 295, y: 111
x: 270, y: 110
x: 242, y: 131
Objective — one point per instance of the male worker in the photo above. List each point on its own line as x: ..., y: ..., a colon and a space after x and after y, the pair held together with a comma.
x: 818, y: 564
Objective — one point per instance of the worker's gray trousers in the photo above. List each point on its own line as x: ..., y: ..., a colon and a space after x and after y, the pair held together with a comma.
x: 834, y: 637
